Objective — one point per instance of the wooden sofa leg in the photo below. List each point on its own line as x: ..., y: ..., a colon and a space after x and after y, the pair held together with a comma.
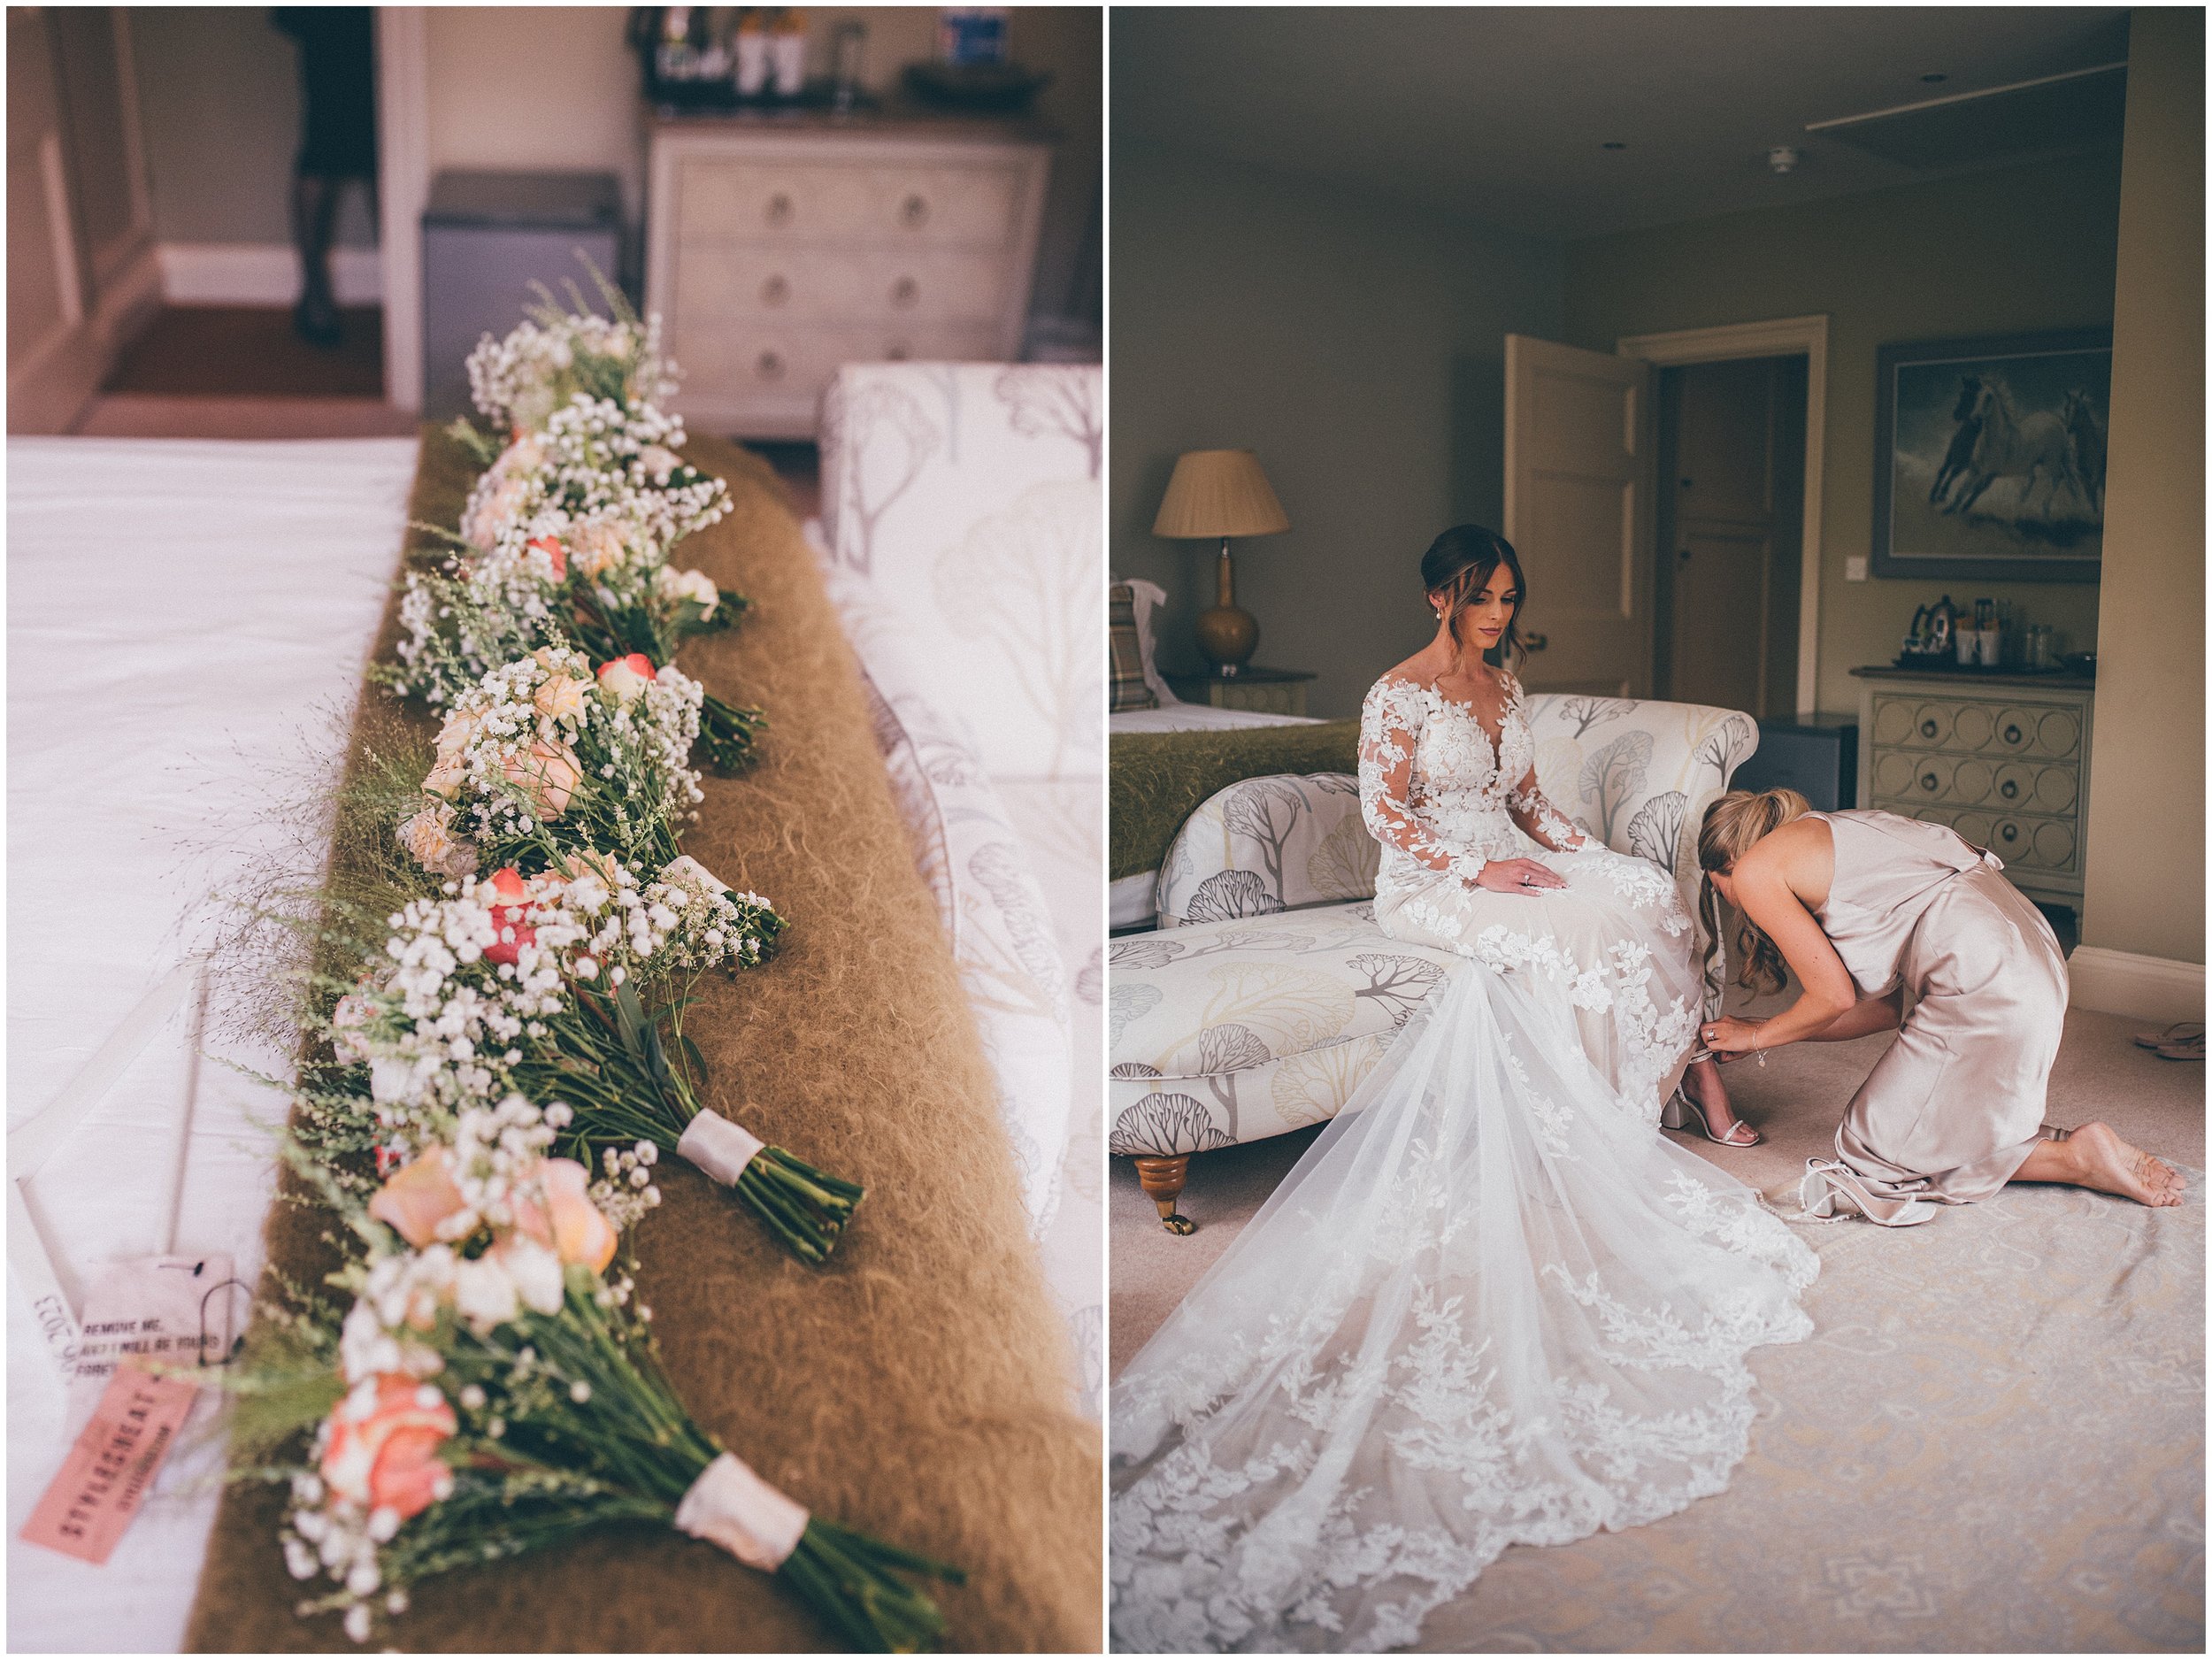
x: 1162, y: 1182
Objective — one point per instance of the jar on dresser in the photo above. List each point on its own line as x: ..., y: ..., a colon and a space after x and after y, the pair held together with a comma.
x: 2001, y: 758
x: 778, y: 248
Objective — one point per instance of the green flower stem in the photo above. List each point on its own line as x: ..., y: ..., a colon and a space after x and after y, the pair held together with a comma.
x: 805, y: 1207
x: 609, y: 1068
x: 727, y: 733
x: 846, y: 1579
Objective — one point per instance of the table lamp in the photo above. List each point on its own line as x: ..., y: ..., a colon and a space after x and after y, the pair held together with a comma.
x: 1222, y: 493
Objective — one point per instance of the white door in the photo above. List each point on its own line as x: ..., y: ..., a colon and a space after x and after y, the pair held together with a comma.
x: 1579, y: 488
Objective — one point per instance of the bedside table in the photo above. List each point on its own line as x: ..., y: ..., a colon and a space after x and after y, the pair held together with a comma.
x: 1266, y: 691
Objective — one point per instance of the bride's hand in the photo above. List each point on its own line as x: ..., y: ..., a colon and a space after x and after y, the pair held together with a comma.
x: 1731, y: 1039
x: 1517, y: 876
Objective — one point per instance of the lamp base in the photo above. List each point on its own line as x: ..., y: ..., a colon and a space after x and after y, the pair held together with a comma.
x: 1228, y: 636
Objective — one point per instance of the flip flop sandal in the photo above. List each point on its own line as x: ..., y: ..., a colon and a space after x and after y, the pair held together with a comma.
x: 2180, y: 1032
x: 2187, y: 1049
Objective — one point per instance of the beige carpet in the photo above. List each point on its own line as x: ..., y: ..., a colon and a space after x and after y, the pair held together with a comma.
x: 1994, y: 1440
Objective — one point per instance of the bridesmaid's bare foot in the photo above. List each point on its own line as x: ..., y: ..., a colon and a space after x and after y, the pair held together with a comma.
x: 2095, y: 1157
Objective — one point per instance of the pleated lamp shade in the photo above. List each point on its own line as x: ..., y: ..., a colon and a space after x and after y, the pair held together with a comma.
x: 1219, y: 493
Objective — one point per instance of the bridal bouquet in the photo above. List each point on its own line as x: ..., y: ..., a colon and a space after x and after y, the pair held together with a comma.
x: 596, y: 457
x: 491, y: 1392
x: 598, y: 583
x: 547, y: 755
x: 557, y: 987
x: 554, y: 354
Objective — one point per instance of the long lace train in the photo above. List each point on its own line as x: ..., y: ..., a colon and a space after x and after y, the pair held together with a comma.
x: 1490, y: 1306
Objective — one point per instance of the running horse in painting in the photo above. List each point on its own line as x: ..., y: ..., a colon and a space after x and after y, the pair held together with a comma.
x: 2009, y: 445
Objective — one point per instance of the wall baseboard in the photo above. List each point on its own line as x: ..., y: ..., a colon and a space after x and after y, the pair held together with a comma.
x: 261, y: 274
x: 51, y: 389
x: 2122, y: 982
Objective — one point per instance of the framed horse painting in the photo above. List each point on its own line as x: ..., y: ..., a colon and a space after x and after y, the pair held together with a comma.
x: 1989, y: 456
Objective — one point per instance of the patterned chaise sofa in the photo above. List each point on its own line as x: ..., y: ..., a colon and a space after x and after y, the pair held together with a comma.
x: 1268, y: 992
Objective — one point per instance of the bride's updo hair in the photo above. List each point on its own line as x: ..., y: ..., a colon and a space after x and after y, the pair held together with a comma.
x: 1458, y: 563
x: 1733, y: 825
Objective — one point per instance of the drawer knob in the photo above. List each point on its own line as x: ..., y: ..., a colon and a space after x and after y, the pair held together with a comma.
x: 769, y: 366
x: 1930, y: 782
x: 780, y: 209
x: 1927, y: 729
x: 2012, y: 734
x: 775, y: 291
x: 2009, y: 832
x: 904, y: 292
x: 2010, y: 788
x: 914, y: 212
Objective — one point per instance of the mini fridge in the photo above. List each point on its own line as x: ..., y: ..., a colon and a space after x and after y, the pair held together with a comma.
x: 485, y: 238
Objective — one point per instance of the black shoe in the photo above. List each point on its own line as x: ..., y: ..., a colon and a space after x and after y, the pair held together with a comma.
x: 317, y: 325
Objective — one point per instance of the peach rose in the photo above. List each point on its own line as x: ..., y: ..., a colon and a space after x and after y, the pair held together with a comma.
x: 599, y: 547
x: 561, y: 695
x: 568, y: 1221
x: 429, y: 836
x: 551, y: 546
x: 447, y: 776
x: 418, y: 1197
x: 626, y: 677
x: 382, y: 1453
x: 457, y: 733
x: 546, y: 775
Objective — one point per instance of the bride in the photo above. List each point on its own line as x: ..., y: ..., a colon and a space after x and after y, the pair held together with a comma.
x: 1491, y: 1305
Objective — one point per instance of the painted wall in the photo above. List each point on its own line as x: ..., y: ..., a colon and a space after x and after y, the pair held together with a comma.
x: 219, y: 95
x: 2146, y: 879
x: 1357, y: 346
x: 1992, y: 253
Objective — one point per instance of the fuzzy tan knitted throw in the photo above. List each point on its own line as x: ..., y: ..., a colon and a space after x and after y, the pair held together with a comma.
x: 917, y: 1387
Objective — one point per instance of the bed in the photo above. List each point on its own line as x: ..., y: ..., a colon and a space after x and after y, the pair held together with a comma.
x: 187, y: 623
x: 1130, y: 903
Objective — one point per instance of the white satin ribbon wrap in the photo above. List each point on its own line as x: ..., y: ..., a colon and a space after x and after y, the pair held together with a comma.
x: 730, y: 1506
x: 719, y: 1148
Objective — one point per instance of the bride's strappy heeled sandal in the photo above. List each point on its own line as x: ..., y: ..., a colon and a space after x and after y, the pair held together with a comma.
x: 1678, y: 1113
x: 1830, y: 1191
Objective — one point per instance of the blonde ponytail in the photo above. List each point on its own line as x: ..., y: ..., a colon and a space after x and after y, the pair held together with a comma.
x: 1734, y: 825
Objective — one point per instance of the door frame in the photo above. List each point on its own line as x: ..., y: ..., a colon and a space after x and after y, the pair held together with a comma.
x: 403, y: 175
x: 1777, y: 337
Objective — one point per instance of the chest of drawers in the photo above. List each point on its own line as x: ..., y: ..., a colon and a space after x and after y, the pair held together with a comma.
x: 2002, y: 760
x: 776, y: 254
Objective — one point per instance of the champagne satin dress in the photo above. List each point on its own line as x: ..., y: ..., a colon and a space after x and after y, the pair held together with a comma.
x: 1956, y: 1104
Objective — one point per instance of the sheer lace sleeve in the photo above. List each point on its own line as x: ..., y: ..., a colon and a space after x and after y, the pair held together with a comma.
x: 1390, y: 726
x: 1532, y: 810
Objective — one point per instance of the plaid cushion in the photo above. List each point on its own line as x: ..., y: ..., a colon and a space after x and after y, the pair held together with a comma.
x: 1125, y: 660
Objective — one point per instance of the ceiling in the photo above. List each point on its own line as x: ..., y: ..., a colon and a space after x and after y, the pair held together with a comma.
x: 1499, y: 113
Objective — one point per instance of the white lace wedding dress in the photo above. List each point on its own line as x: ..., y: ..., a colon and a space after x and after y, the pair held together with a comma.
x: 1491, y: 1305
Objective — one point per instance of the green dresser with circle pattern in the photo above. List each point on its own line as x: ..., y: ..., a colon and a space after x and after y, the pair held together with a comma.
x: 2001, y: 758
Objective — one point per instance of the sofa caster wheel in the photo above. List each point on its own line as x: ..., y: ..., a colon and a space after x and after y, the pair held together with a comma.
x: 1162, y: 1179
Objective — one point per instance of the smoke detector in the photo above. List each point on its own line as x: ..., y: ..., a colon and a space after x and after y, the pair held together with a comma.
x: 1782, y: 158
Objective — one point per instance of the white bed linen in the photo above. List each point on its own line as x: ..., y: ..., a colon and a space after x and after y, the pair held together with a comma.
x: 188, y: 622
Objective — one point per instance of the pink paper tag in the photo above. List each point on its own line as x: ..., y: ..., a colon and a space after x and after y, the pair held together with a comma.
x: 111, y: 1467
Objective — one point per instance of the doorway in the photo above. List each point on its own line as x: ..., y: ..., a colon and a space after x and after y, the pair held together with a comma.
x: 1729, y: 511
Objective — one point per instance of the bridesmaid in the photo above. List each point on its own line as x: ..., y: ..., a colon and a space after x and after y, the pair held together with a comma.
x: 1868, y: 910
